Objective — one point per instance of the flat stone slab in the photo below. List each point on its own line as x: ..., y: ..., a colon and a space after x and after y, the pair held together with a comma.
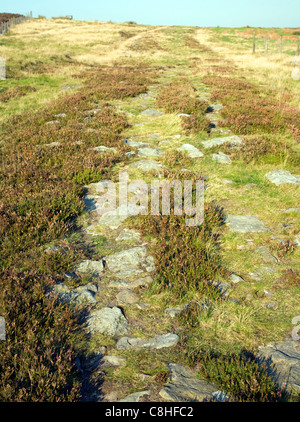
x: 77, y: 296
x: 112, y: 360
x: 149, y: 152
x: 286, y: 359
x: 185, y: 386
x: 244, y: 223
x: 221, y: 158
x: 135, y: 397
x: 147, y: 165
x: 110, y: 321
x: 89, y: 266
x: 129, y: 235
x: 140, y: 281
x: 152, y: 112
x: 136, y: 144
x: 157, y: 342
x: 114, y: 218
x: 279, y: 177
x: 192, y: 151
x: 130, y: 262
x: 102, y: 148
x: 233, y: 140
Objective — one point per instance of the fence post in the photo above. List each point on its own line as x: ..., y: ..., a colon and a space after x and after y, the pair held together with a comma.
x: 281, y: 44
x: 254, y: 41
x: 267, y: 44
x: 298, y: 47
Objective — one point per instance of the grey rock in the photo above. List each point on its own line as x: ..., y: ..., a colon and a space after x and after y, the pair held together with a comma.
x: 110, y: 321
x: 266, y: 255
x: 216, y: 107
x: 53, y: 122
x: 127, y: 297
x: 136, y: 144
x: 285, y: 356
x: 152, y: 112
x: 64, y: 88
x: 129, y: 235
x: 89, y: 266
x: 236, y: 278
x: 60, y: 115
x: 221, y: 158
x: 141, y: 281
x: 135, y: 397
x: 183, y: 115
x: 111, y: 360
x: 297, y: 209
x: 71, y: 275
x: 185, y: 386
x: 192, y: 151
x: 149, y: 152
x: 76, y: 296
x: 244, y: 223
x: 233, y: 140
x: 279, y: 177
x: 130, y: 262
x: 157, y: 342
x: 147, y: 165
x: 102, y: 148
x: 114, y: 218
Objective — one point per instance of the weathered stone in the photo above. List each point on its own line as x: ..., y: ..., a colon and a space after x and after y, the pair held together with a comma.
x: 216, y: 107
x: 233, y: 140
x: 244, y: 223
x: 130, y: 262
x: 236, y: 278
x: 129, y: 235
x: 266, y: 255
x: 279, y: 177
x: 102, y: 148
x: 127, y: 297
x: 297, y: 209
x: 221, y: 158
x: 89, y: 266
x: 147, y: 165
x: 152, y: 112
x: 136, y: 144
x: 114, y: 218
x: 149, y: 152
x: 111, y: 360
x: 135, y: 397
x: 185, y: 386
x: 286, y: 359
x: 157, y: 342
x: 76, y: 296
x: 192, y: 151
x: 60, y: 115
x: 110, y: 321
x: 141, y: 281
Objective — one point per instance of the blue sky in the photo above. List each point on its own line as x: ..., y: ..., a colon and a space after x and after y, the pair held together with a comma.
x: 264, y: 13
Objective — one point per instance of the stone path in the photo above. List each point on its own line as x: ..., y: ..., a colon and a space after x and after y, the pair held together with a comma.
x: 133, y: 266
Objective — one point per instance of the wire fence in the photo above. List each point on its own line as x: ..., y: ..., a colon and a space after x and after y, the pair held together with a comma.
x: 5, y: 26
